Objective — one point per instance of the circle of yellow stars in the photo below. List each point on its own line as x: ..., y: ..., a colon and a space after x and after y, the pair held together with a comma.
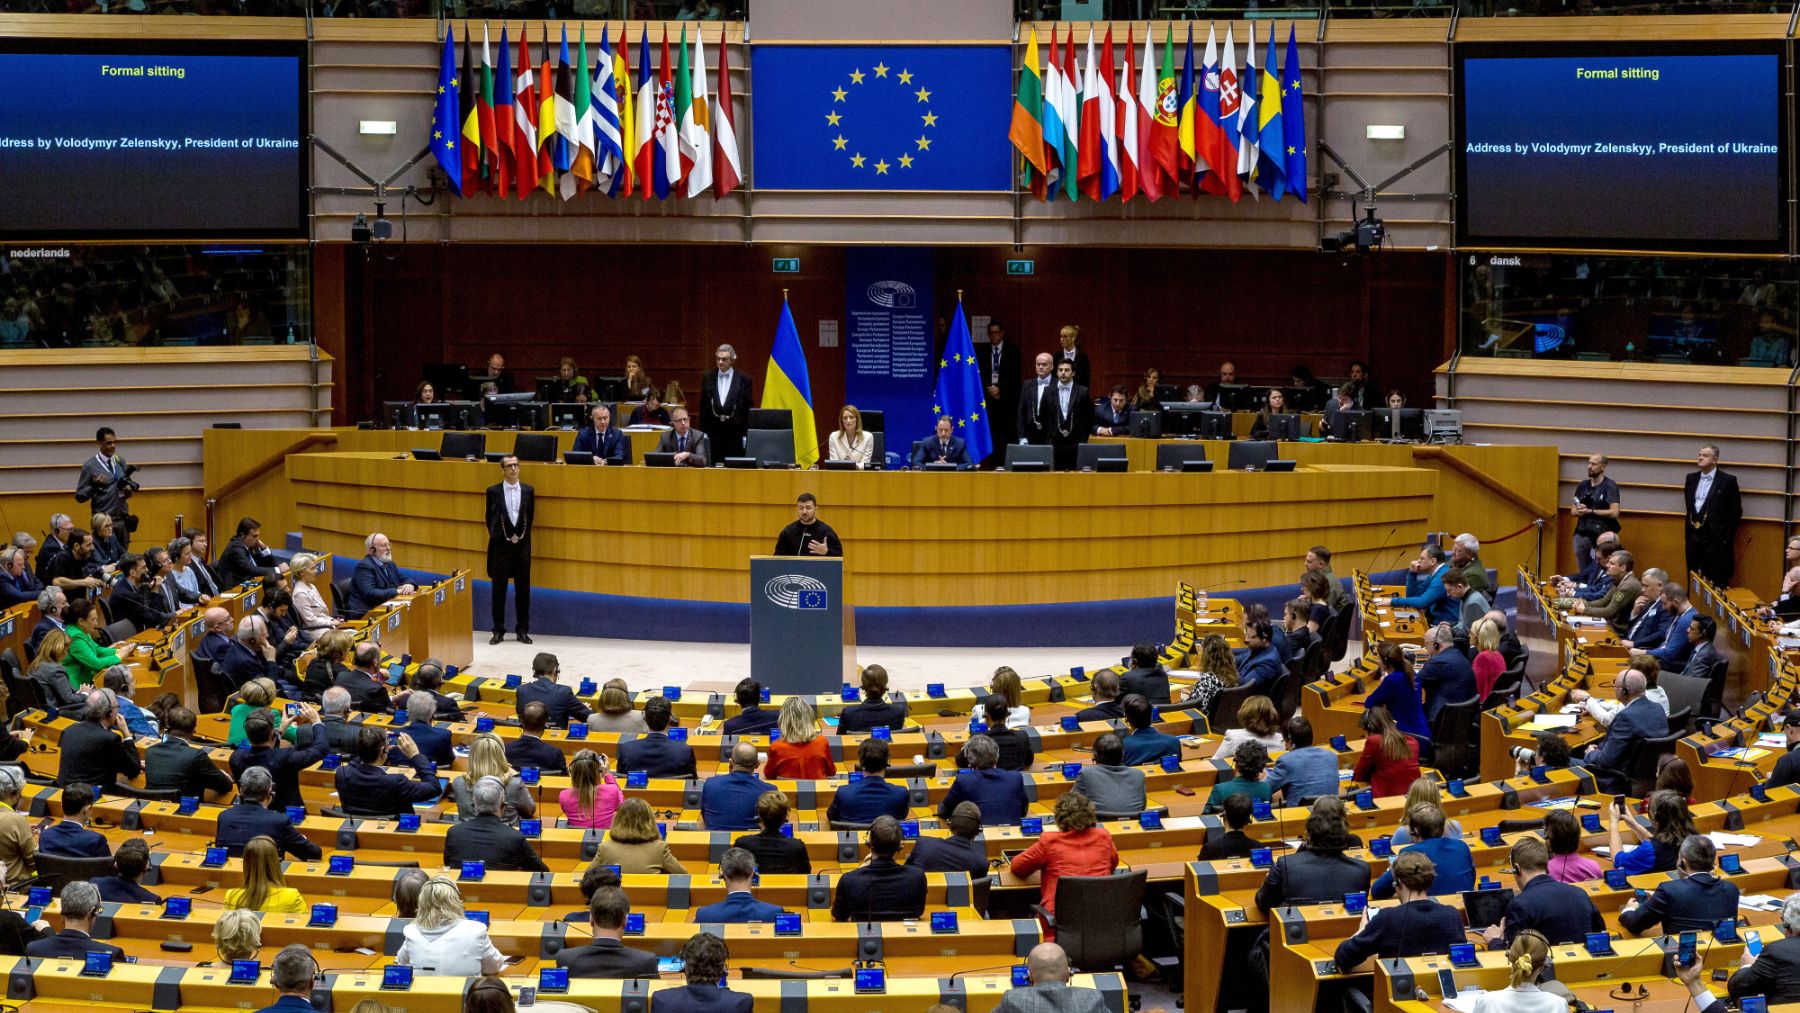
x: 937, y: 410
x: 927, y: 120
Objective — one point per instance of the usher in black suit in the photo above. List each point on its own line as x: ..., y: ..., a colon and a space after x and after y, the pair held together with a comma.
x: 1711, y: 528
x: 727, y: 422
x: 509, y: 555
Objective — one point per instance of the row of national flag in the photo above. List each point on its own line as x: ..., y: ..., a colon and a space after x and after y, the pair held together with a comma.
x: 1084, y: 132
x: 568, y: 126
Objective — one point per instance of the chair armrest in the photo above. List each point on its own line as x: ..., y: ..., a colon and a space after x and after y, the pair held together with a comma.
x: 1044, y: 915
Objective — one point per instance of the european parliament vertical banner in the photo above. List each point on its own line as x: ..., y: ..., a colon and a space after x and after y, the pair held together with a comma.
x: 889, y: 340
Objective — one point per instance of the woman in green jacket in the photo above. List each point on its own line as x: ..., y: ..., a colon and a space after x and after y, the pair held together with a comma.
x: 86, y: 658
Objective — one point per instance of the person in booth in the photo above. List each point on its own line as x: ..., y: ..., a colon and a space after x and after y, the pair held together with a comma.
x: 943, y: 447
x: 651, y: 412
x: 606, y: 443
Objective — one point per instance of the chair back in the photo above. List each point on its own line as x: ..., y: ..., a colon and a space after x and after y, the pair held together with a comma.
x: 1223, y: 715
x: 1173, y: 455
x: 340, y: 597
x: 1286, y: 685
x: 1089, y: 455
x: 1337, y: 640
x: 1642, y: 771
x: 1100, y: 919
x: 1313, y: 663
x: 795, y: 974
x: 124, y: 790
x: 1456, y: 736
x: 770, y: 447
x: 1715, y: 693
x: 210, y: 685
x: 57, y: 871
x: 1686, y: 693
x: 120, y: 630
x: 909, y: 771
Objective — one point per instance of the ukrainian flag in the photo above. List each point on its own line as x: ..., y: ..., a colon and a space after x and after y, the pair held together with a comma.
x: 786, y: 385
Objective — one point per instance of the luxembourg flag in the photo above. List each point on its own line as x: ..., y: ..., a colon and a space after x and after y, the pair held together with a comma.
x: 1053, y: 124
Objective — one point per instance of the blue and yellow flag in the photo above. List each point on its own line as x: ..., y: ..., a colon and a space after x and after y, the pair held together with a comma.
x: 446, y: 119
x: 959, y: 390
x: 787, y: 385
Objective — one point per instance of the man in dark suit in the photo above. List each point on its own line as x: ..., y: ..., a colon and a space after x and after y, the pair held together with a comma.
x: 429, y: 741
x: 176, y: 764
x: 656, y: 754
x: 999, y: 794
x: 80, y: 907
x: 725, y: 398
x: 56, y: 542
x: 488, y: 838
x: 1000, y: 374
x: 1317, y: 873
x: 750, y: 718
x: 105, y: 481
x: 204, y: 577
x: 365, y: 788
x: 1649, y: 623
x: 1013, y: 743
x: 876, y: 710
x: 1107, y: 705
x: 1416, y: 926
x: 1561, y: 911
x: 1050, y: 991
x: 1030, y: 423
x: 18, y: 584
x: 704, y: 958
x: 1695, y: 902
x: 882, y: 890
x: 692, y: 448
x: 511, y: 506
x: 163, y: 592
x: 51, y: 603
x: 246, y: 557
x: 558, y: 700
x: 1640, y: 718
x: 1112, y: 417
x: 737, y: 868
x: 728, y: 801
x: 943, y: 447
x: 367, y: 689
x: 292, y: 976
x: 98, y: 749
x: 1146, y: 677
x: 607, y: 956
x: 376, y: 579
x: 1775, y: 974
x: 250, y: 655
x: 874, y: 795
x: 251, y: 818
x: 530, y: 749
x: 283, y: 764
x: 962, y: 851
x: 70, y: 837
x: 608, y: 444
x: 1066, y: 415
x: 1714, y: 508
x: 1447, y: 677
x: 130, y: 597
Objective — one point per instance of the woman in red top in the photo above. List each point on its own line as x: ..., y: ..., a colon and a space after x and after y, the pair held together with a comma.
x: 1079, y: 847
x: 1489, y: 663
x: 1390, y: 758
x: 801, y: 753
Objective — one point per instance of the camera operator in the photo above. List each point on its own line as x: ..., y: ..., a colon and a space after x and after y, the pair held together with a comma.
x: 106, y: 479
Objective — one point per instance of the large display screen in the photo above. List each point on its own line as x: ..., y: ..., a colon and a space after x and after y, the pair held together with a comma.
x: 100, y: 139
x: 1615, y: 146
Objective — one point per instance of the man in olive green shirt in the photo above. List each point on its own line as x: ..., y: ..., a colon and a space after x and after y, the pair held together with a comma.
x: 1465, y: 555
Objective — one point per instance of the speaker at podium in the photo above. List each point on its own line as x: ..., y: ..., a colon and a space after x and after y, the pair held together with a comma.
x: 801, y: 638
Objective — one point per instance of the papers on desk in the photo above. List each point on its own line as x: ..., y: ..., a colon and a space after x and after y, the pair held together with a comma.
x: 1345, y: 774
x: 1740, y: 753
x: 1549, y: 722
x: 1183, y: 823
x: 1775, y: 739
x: 1465, y: 1000
x: 1760, y: 902
x: 1565, y: 802
x: 648, y: 427
x: 1721, y: 839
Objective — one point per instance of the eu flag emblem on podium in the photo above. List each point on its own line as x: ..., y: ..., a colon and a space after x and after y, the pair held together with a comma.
x: 882, y: 117
x: 815, y: 599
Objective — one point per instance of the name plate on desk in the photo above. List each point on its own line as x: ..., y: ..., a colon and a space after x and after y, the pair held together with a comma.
x: 250, y: 601
x: 394, y: 621
x: 460, y: 584
x: 176, y: 642
x: 7, y: 627
x: 437, y: 597
x: 375, y: 634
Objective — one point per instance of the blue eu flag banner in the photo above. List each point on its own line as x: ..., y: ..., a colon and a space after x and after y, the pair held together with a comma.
x: 882, y: 117
x: 446, y: 122
x: 960, y: 394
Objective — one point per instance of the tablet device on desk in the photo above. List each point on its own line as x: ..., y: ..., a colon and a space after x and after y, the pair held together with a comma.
x: 39, y: 896
x: 1071, y: 771
x: 882, y: 732
x: 531, y: 828
x: 909, y: 830
x: 1759, y: 793
x: 935, y: 690
x: 396, y: 978
x: 943, y: 923
x: 1726, y: 930
x: 659, y: 459
x: 870, y: 980
x: 245, y: 972
x: 1261, y: 858
x: 408, y: 823
x: 1490, y: 836
x: 1338, y: 743
x: 787, y: 925
x: 323, y: 915
x: 331, y: 762
x: 1485, y: 908
x: 1590, y: 822
x: 1260, y: 810
x: 634, y: 923
x: 484, y: 725
x: 1599, y: 944
x: 1365, y: 799
x: 1355, y: 902
x: 1150, y: 820
x: 1021, y: 976
x: 1069, y: 724
x: 188, y: 806
x: 213, y: 859
x: 474, y: 915
x: 1171, y: 764
x: 1463, y: 955
x: 530, y: 775
x: 97, y: 965
x: 1457, y: 789
x: 296, y: 814
x: 637, y: 779
x: 578, y: 730
x: 1382, y: 847
x: 177, y: 908
x: 1031, y: 826
x: 1731, y: 863
x: 473, y: 871
x: 553, y: 980
x: 1753, y: 1004
x: 1617, y: 879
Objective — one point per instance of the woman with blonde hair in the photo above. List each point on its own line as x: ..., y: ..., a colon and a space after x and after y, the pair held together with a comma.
x: 1258, y: 721
x: 487, y: 758
x: 237, y: 935
x: 51, y: 677
x: 330, y: 652
x: 1218, y: 671
x: 1424, y: 791
x: 256, y: 695
x: 633, y: 844
x: 1007, y: 685
x: 264, y: 888
x: 616, y: 713
x: 1489, y: 663
x: 595, y: 796
x: 851, y: 442
x: 310, y: 613
x: 1526, y: 958
x: 801, y: 753
x: 442, y: 939
x: 1145, y: 398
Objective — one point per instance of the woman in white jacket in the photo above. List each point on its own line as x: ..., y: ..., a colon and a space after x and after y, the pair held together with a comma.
x: 443, y: 940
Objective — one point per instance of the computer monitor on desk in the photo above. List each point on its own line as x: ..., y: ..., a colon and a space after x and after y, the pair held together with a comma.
x: 1285, y: 426
x: 448, y: 415
x: 396, y: 414
x: 1351, y: 425
x: 571, y: 415
x: 1399, y: 423
x: 611, y: 388
x: 1196, y: 420
x: 516, y: 411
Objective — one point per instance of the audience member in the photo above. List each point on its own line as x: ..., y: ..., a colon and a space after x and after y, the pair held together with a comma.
x: 282, y: 763
x: 264, y: 888
x: 1014, y: 744
x: 431, y: 742
x: 52, y: 678
x: 70, y: 837
x: 705, y: 964
x: 607, y: 956
x: 1775, y: 973
x: 1319, y: 872
x: 1416, y: 926
x: 1528, y: 954
x: 635, y: 843
x: 1249, y: 763
x: 962, y: 851
x: 18, y: 842
x: 1446, y: 677
x: 875, y: 710
x: 251, y: 817
x: 1639, y: 718
x: 1146, y: 677
x: 1697, y: 900
x: 1700, y: 662
x: 366, y: 788
x: 1115, y: 787
x: 1233, y: 843
x: 1450, y: 857
x: 1218, y: 671
x: 1050, y: 991
x: 86, y: 658
x: 1559, y: 912
x: 593, y: 795
x: 655, y: 753
x: 1398, y: 692
x: 1303, y: 771
x: 999, y: 794
x: 80, y: 908
x: 1007, y: 685
x: 775, y: 852
x: 237, y: 935
x: 543, y: 688
x: 487, y: 758
x: 737, y: 870
x: 1259, y: 662
x: 1078, y: 847
x: 293, y: 974
x: 327, y: 669
x: 860, y: 801
x: 750, y: 719
x: 130, y: 863
x: 801, y: 753
x: 881, y: 890
x: 1257, y: 720
x: 407, y: 887
x: 52, y: 603
x: 1563, y: 836
x: 1425, y: 588
x: 486, y: 837
x: 119, y: 682
x: 530, y: 750
x: 443, y: 939
x: 1423, y: 791
x: 1107, y: 706
x: 98, y: 749
x: 728, y: 801
x: 246, y: 558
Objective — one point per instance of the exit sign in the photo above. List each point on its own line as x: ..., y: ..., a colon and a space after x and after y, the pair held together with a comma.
x: 1021, y: 268
x: 787, y: 265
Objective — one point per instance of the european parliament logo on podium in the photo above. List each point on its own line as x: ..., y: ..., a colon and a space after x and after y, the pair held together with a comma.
x: 797, y: 623
x: 793, y: 591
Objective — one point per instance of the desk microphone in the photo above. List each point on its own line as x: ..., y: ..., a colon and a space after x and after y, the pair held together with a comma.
x: 1377, y: 553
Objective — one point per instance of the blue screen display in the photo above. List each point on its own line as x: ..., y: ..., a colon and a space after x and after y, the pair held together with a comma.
x: 163, y: 139
x: 1622, y: 145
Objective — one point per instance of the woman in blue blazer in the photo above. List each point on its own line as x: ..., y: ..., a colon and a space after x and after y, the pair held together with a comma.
x: 1399, y: 693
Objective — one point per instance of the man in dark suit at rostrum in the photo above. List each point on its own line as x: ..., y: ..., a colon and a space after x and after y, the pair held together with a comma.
x: 250, y: 817
x: 1000, y: 373
x: 511, y: 505
x: 530, y: 749
x: 376, y: 579
x: 1066, y: 415
x: 607, y: 956
x: 725, y: 397
x: 943, y: 447
x: 1714, y: 508
x: 691, y: 447
x: 604, y: 440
